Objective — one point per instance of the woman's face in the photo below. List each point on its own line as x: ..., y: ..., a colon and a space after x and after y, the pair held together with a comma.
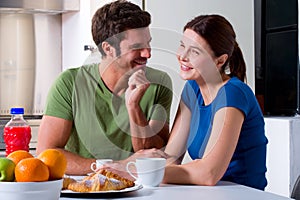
x: 196, y: 59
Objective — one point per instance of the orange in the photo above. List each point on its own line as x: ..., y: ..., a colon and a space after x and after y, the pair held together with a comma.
x: 18, y: 155
x: 31, y: 170
x: 56, y: 162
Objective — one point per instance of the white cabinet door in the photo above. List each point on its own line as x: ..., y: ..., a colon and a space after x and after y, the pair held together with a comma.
x: 283, y: 160
x: 76, y: 32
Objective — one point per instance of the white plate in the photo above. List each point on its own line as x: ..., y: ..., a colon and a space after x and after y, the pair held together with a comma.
x: 70, y: 193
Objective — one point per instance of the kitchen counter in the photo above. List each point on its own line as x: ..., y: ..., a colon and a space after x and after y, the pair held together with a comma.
x: 32, y: 151
x: 223, y: 191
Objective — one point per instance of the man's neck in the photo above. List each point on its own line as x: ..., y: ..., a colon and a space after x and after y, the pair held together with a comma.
x: 112, y: 77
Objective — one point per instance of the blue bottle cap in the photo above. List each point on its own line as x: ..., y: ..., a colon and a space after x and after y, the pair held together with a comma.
x: 15, y: 111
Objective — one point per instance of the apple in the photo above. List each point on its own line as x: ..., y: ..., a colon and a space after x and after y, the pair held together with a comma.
x: 7, y: 169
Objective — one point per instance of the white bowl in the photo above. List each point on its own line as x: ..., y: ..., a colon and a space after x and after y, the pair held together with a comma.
x: 47, y: 190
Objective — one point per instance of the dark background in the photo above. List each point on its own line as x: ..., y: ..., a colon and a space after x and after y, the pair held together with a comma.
x: 276, y: 56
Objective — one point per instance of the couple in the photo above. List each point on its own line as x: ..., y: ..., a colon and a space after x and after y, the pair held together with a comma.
x: 120, y: 109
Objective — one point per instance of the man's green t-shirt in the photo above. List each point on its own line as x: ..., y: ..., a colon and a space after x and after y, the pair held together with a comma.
x: 100, y: 119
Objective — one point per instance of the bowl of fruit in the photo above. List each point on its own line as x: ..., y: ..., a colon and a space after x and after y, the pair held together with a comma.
x: 23, y: 176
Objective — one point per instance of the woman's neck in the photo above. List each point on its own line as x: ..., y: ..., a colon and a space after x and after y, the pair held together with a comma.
x: 209, y: 88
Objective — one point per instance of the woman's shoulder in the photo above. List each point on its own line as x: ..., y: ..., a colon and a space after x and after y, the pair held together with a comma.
x: 239, y: 94
x: 235, y: 84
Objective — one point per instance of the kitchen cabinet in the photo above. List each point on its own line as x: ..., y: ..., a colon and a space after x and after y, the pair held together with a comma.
x: 76, y: 32
x: 283, y: 160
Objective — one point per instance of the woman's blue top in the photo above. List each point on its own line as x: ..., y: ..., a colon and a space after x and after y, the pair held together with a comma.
x: 248, y: 164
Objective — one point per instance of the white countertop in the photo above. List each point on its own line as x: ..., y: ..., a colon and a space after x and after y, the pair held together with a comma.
x: 3, y: 153
x: 223, y: 191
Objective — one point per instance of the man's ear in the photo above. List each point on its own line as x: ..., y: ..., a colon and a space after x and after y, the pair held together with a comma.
x: 221, y: 60
x: 107, y: 48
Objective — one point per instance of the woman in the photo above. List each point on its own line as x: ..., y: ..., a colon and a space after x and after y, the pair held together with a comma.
x: 219, y: 120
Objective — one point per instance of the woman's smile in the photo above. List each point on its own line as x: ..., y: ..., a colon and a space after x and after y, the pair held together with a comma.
x: 185, y: 68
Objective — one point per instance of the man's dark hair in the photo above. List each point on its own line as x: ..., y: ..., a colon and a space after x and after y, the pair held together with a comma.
x: 110, y: 21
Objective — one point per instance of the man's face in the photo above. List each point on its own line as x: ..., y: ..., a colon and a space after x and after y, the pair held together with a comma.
x: 135, y: 49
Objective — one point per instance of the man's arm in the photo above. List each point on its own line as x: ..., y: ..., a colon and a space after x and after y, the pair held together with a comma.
x: 54, y: 133
x: 145, y: 134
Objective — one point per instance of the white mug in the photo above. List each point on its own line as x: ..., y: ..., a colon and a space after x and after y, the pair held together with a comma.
x: 99, y: 163
x: 150, y: 171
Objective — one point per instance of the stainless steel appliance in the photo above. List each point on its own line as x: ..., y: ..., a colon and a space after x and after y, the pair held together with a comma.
x: 30, y: 56
x: 39, y: 6
x: 30, y: 51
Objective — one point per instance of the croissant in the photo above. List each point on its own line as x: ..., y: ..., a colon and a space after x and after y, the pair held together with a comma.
x: 100, y: 181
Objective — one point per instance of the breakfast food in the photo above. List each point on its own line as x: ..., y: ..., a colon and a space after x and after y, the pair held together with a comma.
x: 19, y: 155
x: 7, y: 168
x: 49, y: 165
x: 102, y: 180
x: 55, y: 161
x: 31, y: 170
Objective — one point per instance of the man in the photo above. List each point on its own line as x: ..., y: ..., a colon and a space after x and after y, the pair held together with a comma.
x: 113, y: 109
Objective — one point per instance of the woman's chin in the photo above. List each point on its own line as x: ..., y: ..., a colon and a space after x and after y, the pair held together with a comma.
x: 184, y: 76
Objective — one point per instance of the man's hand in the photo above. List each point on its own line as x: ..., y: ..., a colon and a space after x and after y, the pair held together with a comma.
x: 137, y: 86
x: 119, y: 167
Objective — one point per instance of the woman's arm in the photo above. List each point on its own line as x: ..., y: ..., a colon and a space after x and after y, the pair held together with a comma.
x: 176, y: 146
x: 221, y: 145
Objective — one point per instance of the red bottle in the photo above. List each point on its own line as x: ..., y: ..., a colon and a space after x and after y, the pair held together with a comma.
x: 17, y: 132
